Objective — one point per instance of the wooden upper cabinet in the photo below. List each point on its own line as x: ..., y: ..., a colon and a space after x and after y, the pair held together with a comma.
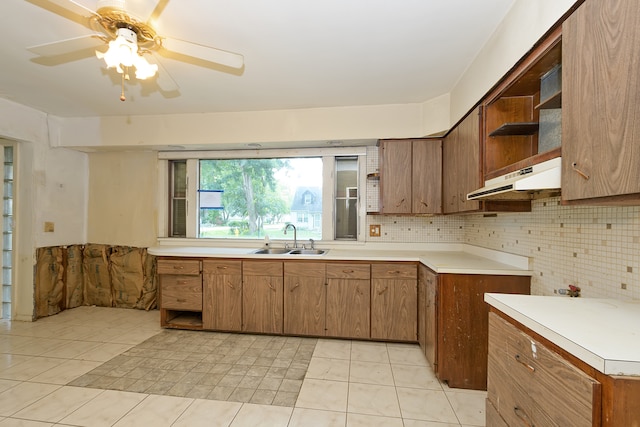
x: 426, y: 176
x: 411, y: 176
x: 222, y: 294
x: 601, y: 113
x: 461, y: 165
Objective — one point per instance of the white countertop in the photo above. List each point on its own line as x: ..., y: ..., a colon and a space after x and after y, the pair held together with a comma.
x: 604, y: 333
x: 455, y: 259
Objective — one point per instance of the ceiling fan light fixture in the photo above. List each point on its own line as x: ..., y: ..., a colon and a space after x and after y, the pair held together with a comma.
x: 123, y: 52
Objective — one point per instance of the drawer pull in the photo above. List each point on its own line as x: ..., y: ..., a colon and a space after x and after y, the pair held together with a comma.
x: 347, y: 271
x: 222, y: 267
x: 182, y: 282
x: 294, y: 287
x: 386, y: 288
x: 181, y: 300
x: 526, y: 365
x: 178, y: 267
x: 393, y: 272
x: 523, y: 416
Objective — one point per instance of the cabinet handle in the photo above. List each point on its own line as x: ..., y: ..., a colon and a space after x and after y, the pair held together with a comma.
x: 393, y: 271
x: 294, y: 287
x: 523, y: 416
x: 222, y: 267
x: 574, y: 165
x: 386, y: 288
x: 273, y: 288
x: 400, y: 203
x: 181, y: 300
x: 347, y: 271
x: 229, y: 284
x: 178, y: 267
x: 526, y: 365
x: 182, y: 282
x: 424, y: 203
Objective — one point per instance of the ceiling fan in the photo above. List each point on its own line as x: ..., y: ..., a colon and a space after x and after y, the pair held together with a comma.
x: 131, y: 41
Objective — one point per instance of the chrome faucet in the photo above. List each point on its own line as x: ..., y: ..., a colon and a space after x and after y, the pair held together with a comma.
x: 295, y: 234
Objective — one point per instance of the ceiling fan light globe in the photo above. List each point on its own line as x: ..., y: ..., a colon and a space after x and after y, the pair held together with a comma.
x: 144, y: 70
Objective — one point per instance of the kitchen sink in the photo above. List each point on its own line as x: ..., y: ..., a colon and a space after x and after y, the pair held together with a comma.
x: 308, y: 252
x: 272, y: 251
x: 282, y: 251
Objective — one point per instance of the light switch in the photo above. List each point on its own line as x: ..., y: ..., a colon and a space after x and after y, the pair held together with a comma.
x: 48, y: 227
x: 374, y: 230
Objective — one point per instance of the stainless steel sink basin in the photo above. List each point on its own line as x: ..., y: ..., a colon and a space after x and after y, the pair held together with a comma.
x: 272, y: 251
x: 308, y: 252
x: 282, y: 251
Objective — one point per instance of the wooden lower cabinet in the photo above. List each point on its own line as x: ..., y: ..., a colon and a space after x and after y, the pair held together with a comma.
x: 304, y: 298
x: 262, y: 297
x: 394, y: 301
x: 348, y: 300
x: 180, y: 293
x: 453, y: 318
x: 222, y: 294
x: 427, y: 320
x: 532, y: 385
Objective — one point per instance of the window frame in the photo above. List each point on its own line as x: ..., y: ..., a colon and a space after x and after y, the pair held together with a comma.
x: 192, y: 158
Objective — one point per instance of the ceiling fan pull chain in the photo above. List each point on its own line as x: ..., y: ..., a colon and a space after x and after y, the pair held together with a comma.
x: 122, y: 97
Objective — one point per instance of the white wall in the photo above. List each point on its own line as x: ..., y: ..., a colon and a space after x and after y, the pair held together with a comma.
x: 123, y: 209
x: 50, y: 185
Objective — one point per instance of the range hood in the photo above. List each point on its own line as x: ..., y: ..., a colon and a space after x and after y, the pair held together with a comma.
x: 543, y: 177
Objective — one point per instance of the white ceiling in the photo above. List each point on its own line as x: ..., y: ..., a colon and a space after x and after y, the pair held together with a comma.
x: 297, y: 53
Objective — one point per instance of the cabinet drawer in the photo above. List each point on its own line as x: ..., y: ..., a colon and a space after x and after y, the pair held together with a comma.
x: 262, y: 268
x: 528, y: 382
x: 178, y: 266
x: 181, y: 292
x: 349, y: 271
x: 222, y: 267
x: 394, y: 271
x: 305, y: 269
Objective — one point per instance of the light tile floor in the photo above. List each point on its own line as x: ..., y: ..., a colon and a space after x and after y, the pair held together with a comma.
x: 348, y: 383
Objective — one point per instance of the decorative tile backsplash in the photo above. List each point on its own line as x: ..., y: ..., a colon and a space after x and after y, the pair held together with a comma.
x: 595, y: 248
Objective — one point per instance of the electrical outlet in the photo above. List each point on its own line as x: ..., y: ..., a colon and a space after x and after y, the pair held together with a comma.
x: 374, y: 230
x: 48, y: 227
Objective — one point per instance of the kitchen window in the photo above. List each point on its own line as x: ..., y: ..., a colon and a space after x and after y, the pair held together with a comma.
x: 220, y: 195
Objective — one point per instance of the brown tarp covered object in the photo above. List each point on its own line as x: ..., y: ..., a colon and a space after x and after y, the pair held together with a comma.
x: 75, y: 277
x: 93, y: 274
x: 49, y: 281
x: 97, y: 279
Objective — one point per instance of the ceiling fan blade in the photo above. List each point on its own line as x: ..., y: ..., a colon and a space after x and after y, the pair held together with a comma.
x: 67, y: 9
x: 157, y: 11
x: 163, y: 79
x: 203, y: 53
x: 69, y: 45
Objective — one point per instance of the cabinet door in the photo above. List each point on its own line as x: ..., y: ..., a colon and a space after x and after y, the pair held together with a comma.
x: 304, y: 298
x: 395, y: 176
x: 348, y: 300
x: 600, y: 112
x: 222, y: 295
x: 262, y: 297
x: 429, y: 281
x: 394, y: 302
x: 450, y: 171
x: 426, y: 184
x: 463, y: 325
x: 469, y: 168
